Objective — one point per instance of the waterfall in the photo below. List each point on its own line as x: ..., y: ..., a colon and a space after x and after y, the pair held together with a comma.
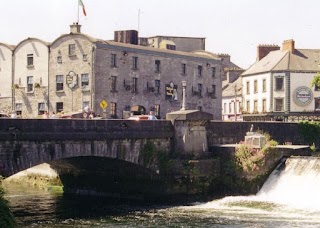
x: 295, y: 182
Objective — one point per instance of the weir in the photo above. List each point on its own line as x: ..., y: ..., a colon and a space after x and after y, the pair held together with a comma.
x: 295, y: 182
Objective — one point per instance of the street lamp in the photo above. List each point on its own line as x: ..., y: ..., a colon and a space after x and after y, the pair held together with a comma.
x: 184, y: 85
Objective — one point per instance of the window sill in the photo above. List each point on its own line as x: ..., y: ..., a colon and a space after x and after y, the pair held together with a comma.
x: 72, y: 56
x: 30, y: 92
x: 30, y: 66
x: 85, y: 90
x: 60, y: 91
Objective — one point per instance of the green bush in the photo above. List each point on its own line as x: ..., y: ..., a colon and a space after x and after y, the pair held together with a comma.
x: 6, y: 218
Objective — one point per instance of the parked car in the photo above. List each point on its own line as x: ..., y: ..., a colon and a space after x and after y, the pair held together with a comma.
x: 4, y: 115
x: 139, y: 117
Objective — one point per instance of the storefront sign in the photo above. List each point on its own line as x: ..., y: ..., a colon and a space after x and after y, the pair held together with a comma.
x: 302, y: 96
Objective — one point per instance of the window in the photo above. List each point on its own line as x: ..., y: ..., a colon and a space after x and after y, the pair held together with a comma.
x: 85, y: 104
x: 157, y: 66
x: 134, y: 85
x: 248, y: 106
x: 199, y: 71
x: 113, y: 83
x: 59, y: 82
x: 264, y: 105
x: 255, y: 84
x: 230, y: 107
x: 113, y: 109
x: 225, y: 107
x: 41, y: 108
x: 85, y: 81
x: 72, y: 49
x: 316, y: 88
x: 214, y: 90
x: 200, y: 89
x: 279, y: 104
x: 279, y: 83
x: 248, y: 87
x: 171, y: 47
x: 157, y: 110
x: 59, y: 59
x: 157, y: 86
x: 19, y: 109
x: 200, y: 108
x: 264, y: 85
x: 213, y: 72
x: 29, y: 83
x: 30, y: 60
x: 183, y: 69
x: 255, y: 106
x: 59, y: 107
x: 134, y: 63
x: 113, y: 60
x: 316, y: 104
x: 85, y: 57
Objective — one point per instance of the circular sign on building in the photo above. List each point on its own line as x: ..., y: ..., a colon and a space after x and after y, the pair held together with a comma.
x: 302, y: 96
x: 72, y: 80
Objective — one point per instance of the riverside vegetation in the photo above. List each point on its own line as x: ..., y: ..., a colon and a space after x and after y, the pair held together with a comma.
x: 6, y: 218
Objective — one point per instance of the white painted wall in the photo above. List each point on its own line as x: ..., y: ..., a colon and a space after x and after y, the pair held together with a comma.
x: 5, y: 72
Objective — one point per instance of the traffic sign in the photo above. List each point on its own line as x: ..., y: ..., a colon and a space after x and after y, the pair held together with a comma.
x: 103, y: 104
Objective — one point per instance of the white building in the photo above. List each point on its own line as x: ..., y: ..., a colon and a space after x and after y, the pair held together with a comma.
x: 6, y: 77
x: 278, y: 86
x: 30, y: 77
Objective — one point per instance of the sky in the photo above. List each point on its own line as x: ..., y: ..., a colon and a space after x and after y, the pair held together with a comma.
x: 234, y: 27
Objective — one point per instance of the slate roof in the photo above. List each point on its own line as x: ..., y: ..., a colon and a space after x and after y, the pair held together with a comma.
x: 301, y: 60
x: 228, y: 91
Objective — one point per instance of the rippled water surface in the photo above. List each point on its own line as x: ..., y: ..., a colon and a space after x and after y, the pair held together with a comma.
x: 288, y: 199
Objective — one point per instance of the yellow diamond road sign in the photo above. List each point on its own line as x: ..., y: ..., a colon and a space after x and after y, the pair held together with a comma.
x: 103, y: 104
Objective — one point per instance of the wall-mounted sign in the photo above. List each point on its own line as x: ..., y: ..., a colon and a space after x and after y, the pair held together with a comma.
x: 302, y: 96
x: 72, y: 80
x: 171, y: 91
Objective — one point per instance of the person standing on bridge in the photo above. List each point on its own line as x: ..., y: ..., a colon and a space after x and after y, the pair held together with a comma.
x: 152, y: 116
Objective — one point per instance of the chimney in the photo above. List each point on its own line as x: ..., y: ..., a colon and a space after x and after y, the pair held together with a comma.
x: 288, y: 45
x: 263, y: 50
x: 75, y: 28
x: 126, y: 36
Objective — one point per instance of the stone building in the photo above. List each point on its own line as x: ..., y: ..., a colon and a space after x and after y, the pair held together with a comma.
x: 30, y: 77
x: 186, y: 44
x: 114, y: 78
x: 278, y: 85
x: 6, y: 53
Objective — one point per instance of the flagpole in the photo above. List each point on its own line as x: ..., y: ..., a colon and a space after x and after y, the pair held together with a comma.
x: 78, y: 11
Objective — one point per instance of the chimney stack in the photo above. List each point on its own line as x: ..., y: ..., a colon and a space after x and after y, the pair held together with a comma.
x: 288, y: 45
x: 264, y: 50
x: 75, y: 28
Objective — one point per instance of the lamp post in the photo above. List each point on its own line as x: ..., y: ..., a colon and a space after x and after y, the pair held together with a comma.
x: 184, y: 85
x: 235, y: 102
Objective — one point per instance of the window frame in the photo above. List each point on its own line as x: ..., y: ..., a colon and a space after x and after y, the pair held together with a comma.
x: 72, y: 49
x: 134, y: 62
x: 30, y: 60
x: 279, y: 79
x: 59, y: 83
x: 113, y: 60
x: 276, y: 104
x: 30, y: 86
x: 157, y: 64
x: 85, y: 81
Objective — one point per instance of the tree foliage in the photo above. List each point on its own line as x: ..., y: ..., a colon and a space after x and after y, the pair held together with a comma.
x: 316, y: 81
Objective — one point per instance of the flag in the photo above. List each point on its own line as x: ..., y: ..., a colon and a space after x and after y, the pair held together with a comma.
x: 83, y: 9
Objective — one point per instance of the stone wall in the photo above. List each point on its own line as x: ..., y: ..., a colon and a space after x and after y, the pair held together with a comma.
x: 234, y: 132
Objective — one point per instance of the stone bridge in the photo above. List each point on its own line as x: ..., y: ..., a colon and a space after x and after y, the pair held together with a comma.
x: 25, y: 143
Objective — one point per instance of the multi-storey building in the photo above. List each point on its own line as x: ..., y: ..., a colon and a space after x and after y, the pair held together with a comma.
x: 6, y: 86
x: 278, y: 86
x: 30, y: 77
x: 114, y: 78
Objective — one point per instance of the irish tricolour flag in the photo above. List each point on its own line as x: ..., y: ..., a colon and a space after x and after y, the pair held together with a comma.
x: 83, y: 9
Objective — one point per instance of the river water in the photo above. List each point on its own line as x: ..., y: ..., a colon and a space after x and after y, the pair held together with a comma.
x: 289, y: 198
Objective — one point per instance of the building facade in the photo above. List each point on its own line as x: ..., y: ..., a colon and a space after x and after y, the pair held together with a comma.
x: 278, y: 86
x: 6, y: 69
x: 114, y: 78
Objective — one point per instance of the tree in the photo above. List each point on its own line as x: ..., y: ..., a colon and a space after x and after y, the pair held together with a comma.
x: 316, y: 81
